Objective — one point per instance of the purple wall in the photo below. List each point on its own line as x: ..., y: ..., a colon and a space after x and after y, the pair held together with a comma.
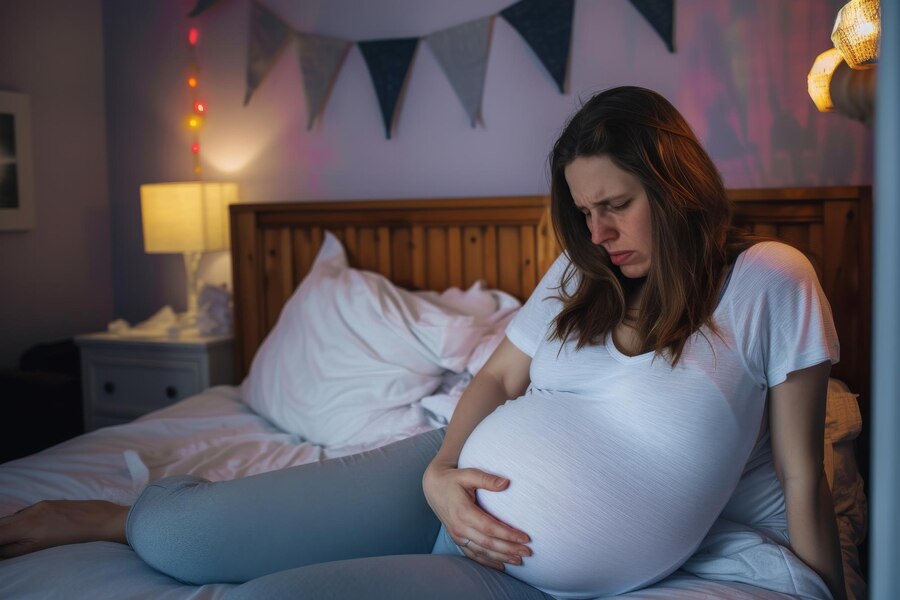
x: 739, y: 75
x: 57, y: 277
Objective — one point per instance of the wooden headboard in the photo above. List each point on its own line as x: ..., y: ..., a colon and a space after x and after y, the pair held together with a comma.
x: 509, y: 242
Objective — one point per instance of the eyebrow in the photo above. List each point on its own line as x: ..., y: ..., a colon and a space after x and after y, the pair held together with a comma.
x: 604, y: 201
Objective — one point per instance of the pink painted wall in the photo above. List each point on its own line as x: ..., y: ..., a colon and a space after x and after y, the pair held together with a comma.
x: 57, y: 278
x: 739, y: 75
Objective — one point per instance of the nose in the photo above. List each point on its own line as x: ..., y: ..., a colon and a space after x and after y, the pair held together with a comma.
x: 601, y: 229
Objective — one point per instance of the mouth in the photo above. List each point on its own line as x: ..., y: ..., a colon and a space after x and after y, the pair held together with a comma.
x: 619, y: 258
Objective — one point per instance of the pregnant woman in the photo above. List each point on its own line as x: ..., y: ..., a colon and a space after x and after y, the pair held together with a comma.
x: 666, y: 374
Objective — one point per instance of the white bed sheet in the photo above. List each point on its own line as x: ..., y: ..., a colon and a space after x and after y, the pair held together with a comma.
x: 212, y: 435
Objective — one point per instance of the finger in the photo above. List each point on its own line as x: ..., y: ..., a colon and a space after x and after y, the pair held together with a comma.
x: 477, y: 478
x: 493, y: 534
x: 481, y: 556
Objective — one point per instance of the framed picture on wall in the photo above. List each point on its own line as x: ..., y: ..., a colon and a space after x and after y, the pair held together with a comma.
x: 16, y: 192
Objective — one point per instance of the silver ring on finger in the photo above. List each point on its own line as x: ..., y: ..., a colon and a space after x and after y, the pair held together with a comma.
x: 466, y: 543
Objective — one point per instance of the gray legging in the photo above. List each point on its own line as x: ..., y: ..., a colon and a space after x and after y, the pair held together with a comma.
x: 352, y: 527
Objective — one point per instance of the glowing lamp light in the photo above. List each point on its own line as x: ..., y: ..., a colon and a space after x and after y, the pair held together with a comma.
x: 193, y: 36
x: 195, y: 148
x: 818, y: 81
x: 857, y: 32
x: 199, y: 107
x: 187, y: 218
x: 192, y: 82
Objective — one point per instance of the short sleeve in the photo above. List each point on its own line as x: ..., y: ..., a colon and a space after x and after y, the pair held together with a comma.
x: 531, y: 324
x: 785, y: 318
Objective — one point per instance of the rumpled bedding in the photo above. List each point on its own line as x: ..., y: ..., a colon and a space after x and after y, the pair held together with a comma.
x: 216, y: 436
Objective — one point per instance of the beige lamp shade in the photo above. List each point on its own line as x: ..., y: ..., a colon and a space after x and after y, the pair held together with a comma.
x: 186, y: 217
x: 857, y: 33
x: 818, y: 81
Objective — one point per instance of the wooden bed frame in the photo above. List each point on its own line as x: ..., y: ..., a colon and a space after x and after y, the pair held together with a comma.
x: 509, y: 242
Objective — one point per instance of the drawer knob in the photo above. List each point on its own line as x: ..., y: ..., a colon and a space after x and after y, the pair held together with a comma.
x: 109, y: 387
x: 171, y: 391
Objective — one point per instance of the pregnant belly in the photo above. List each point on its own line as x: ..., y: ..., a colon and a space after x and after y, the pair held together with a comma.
x: 611, y: 501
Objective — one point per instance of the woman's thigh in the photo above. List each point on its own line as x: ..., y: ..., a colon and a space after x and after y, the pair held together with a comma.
x: 368, y: 504
x: 413, y: 577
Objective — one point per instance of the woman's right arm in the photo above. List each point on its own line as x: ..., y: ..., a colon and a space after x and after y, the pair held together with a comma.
x: 451, y: 491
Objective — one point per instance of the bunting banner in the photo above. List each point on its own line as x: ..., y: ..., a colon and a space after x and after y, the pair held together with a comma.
x: 201, y: 6
x: 389, y: 62
x: 546, y: 25
x: 462, y: 52
x: 661, y: 16
x: 320, y: 60
x: 268, y: 37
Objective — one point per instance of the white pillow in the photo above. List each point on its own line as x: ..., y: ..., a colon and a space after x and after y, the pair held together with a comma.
x: 351, y: 352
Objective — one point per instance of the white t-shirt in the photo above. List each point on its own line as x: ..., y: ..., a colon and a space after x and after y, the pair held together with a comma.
x: 619, y: 465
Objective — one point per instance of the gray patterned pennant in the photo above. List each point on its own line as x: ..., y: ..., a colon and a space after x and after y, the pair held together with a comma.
x: 320, y: 60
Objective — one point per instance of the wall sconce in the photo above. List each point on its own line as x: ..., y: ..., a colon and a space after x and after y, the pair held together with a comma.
x: 187, y: 218
x: 842, y: 79
x: 857, y: 33
x: 818, y: 81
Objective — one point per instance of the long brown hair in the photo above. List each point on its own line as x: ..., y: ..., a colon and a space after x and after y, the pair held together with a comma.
x: 693, y: 240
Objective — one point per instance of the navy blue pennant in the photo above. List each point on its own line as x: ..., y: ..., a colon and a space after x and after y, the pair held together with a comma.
x: 661, y: 16
x: 388, y: 62
x: 546, y: 25
x: 201, y: 6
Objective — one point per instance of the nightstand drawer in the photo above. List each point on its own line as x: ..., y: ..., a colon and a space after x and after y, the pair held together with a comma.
x: 130, y: 389
x: 125, y: 378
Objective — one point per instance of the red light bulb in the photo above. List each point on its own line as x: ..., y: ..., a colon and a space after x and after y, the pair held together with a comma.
x: 199, y: 107
x: 195, y: 148
x: 193, y: 36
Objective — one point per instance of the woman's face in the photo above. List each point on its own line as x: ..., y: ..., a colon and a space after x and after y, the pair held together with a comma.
x: 616, y: 209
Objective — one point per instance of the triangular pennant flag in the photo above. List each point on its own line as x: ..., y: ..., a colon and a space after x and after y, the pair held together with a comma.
x: 320, y: 60
x: 547, y: 27
x: 201, y: 6
x: 268, y: 37
x: 388, y: 62
x: 661, y: 15
x: 462, y: 51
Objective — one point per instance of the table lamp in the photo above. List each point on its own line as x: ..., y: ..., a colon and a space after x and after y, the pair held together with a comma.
x: 189, y: 218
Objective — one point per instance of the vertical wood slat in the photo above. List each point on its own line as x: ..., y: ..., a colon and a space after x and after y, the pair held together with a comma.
x: 473, y: 255
x: 528, y: 259
x: 350, y: 243
x: 817, y: 246
x: 418, y: 252
x: 547, y: 248
x: 303, y: 254
x: 383, y: 240
x: 248, y: 290
x: 454, y: 257
x: 401, y: 257
x: 367, y: 258
x: 510, y: 271
x: 278, y: 272
x: 437, y: 258
x: 491, y: 258
x: 316, y: 235
x: 841, y: 279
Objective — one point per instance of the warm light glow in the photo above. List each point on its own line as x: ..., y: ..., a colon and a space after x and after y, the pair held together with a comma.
x: 193, y: 36
x: 818, y: 81
x: 195, y: 148
x: 192, y: 82
x: 186, y: 217
x: 857, y: 33
x: 194, y: 122
x: 197, y: 170
x: 199, y: 107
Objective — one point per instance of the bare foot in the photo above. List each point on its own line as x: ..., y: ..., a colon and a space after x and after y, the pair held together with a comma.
x: 58, y: 522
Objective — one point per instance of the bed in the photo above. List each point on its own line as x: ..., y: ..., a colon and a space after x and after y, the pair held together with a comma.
x: 430, y: 244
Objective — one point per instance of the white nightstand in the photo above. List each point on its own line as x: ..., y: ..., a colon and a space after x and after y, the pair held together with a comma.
x: 126, y: 377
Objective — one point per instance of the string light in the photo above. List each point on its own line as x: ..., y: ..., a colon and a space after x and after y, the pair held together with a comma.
x: 194, y: 120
